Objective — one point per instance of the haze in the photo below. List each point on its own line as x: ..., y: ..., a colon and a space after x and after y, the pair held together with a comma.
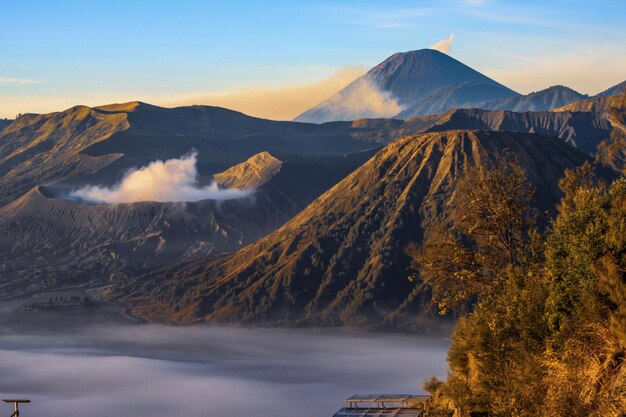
x: 117, y: 369
x: 276, y: 59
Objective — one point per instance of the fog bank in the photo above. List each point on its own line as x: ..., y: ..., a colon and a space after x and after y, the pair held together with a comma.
x: 148, y: 370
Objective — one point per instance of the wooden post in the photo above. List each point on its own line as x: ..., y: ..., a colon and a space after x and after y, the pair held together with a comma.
x: 16, y: 409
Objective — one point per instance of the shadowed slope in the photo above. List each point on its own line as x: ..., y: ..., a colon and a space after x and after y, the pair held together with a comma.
x: 48, y: 242
x: 4, y: 123
x: 341, y: 261
x: 457, y: 96
x: 550, y: 98
x: 616, y: 90
x: 583, y: 130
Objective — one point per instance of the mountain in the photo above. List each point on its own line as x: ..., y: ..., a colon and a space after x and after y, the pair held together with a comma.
x: 85, y: 145
x: 550, y: 98
x: 456, y: 96
x: 616, y: 90
x: 611, y: 151
x: 402, y: 81
x: 251, y: 174
x: 47, y: 241
x: 584, y: 130
x: 342, y: 260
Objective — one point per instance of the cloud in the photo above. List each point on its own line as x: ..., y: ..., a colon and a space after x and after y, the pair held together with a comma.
x: 445, y: 45
x: 278, y: 102
x: 6, y: 80
x: 163, y: 181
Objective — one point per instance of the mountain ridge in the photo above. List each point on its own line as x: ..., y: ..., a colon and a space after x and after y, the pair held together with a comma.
x: 536, y: 101
x: 49, y: 241
x: 341, y: 261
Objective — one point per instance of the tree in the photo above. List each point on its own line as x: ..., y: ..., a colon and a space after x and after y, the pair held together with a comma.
x: 611, y: 267
x: 490, y: 229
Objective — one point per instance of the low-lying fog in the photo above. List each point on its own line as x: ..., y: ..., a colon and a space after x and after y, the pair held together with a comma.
x: 148, y: 370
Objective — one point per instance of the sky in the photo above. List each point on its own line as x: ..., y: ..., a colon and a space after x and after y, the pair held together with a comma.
x: 277, y: 58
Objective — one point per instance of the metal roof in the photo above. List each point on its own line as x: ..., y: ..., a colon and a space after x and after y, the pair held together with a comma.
x: 395, y: 398
x: 378, y: 412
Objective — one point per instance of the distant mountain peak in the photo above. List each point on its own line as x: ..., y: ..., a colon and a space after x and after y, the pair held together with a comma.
x: 399, y: 82
x: 547, y: 99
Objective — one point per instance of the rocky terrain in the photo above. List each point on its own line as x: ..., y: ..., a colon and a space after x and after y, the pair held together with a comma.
x: 342, y: 260
x: 584, y: 130
x: 47, y: 241
x: 85, y: 145
x: 250, y: 174
x: 257, y: 258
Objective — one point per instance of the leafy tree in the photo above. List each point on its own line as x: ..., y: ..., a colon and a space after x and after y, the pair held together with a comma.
x: 611, y: 267
x: 548, y: 334
x: 490, y: 229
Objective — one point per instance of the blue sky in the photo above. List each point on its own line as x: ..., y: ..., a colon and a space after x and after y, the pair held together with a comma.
x: 61, y: 53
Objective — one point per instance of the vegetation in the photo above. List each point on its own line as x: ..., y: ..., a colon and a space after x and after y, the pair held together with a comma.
x: 547, y: 333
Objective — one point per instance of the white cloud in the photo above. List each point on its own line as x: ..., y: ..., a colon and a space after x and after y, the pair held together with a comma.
x: 445, y: 45
x: 163, y: 181
x: 7, y: 80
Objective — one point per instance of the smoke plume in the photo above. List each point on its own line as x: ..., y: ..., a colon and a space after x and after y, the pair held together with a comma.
x: 362, y: 99
x: 163, y: 181
x: 445, y: 45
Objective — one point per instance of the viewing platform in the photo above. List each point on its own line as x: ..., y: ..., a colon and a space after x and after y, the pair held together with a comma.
x: 385, y: 405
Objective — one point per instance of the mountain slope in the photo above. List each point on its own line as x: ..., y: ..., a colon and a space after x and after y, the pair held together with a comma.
x: 85, y: 145
x: 399, y: 82
x: 550, y: 98
x: 585, y: 130
x: 48, y: 242
x: 456, y: 96
x: 342, y: 260
x: 616, y: 90
x: 4, y: 123
x: 251, y: 174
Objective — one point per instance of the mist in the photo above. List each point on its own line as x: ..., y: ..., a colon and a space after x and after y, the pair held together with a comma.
x: 163, y: 181
x: 362, y: 99
x: 150, y: 370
